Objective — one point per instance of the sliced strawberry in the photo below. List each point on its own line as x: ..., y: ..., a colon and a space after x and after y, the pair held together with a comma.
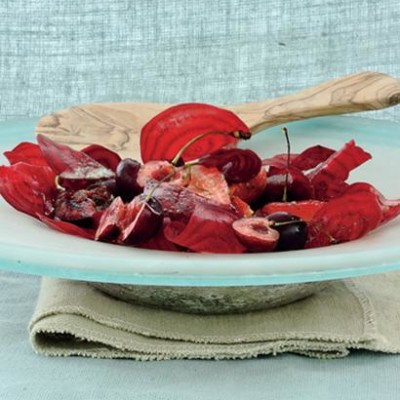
x: 303, y: 209
x: 168, y: 132
x: 28, y: 153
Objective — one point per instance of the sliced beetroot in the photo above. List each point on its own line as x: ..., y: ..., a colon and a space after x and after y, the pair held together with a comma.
x: 328, y: 178
x: 28, y: 153
x: 345, y: 218
x: 278, y: 160
x: 159, y: 241
x: 252, y: 190
x: 168, y: 132
x: 390, y: 207
x: 243, y: 210
x: 109, y: 227
x: 311, y: 157
x: 67, y: 227
x: 305, y: 209
x: 76, y: 169
x: 237, y: 165
x: 177, y: 203
x: 209, y: 230
x: 28, y: 188
x: 208, y: 182
x: 106, y: 157
x: 142, y: 220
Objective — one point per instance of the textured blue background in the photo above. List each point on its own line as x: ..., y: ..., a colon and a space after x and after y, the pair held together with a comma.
x: 57, y: 53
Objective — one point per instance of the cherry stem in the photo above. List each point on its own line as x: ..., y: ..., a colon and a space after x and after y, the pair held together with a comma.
x: 283, y: 223
x: 236, y: 135
x: 285, y: 189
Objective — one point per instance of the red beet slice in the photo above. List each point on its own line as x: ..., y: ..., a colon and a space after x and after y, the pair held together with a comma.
x: 250, y: 191
x: 110, y: 223
x: 67, y: 227
x: 28, y: 153
x: 303, y: 209
x: 106, y: 157
x: 209, y: 230
x: 160, y: 242
x: 237, y: 165
x: 28, y: 188
x: 311, y: 157
x: 328, y: 178
x: 168, y: 132
x: 347, y: 217
x: 75, y: 168
x: 390, y: 207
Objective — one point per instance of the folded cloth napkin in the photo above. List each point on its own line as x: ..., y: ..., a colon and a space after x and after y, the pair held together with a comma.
x: 73, y: 318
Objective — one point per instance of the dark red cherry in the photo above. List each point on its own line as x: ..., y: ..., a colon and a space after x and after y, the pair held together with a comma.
x: 126, y: 179
x: 292, y: 231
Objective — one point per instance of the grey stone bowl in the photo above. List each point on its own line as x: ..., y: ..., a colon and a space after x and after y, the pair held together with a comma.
x: 211, y: 300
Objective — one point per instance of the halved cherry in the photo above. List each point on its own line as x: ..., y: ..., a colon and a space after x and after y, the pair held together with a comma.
x: 256, y: 234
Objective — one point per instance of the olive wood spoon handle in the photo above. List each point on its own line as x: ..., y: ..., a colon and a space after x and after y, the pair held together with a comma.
x: 118, y: 125
x: 359, y: 92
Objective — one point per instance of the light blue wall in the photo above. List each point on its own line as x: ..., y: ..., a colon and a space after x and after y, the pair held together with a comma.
x: 57, y: 53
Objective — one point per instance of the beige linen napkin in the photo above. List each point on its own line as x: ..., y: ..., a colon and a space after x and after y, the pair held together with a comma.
x: 72, y: 318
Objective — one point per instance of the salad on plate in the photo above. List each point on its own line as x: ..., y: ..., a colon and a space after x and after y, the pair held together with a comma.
x: 195, y: 190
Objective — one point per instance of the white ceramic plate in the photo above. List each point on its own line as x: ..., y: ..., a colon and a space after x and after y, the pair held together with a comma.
x: 28, y: 246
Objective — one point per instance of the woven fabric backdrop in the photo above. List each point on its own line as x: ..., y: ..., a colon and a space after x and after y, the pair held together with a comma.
x: 58, y: 53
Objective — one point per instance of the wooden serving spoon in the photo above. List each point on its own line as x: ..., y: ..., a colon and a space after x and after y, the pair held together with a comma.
x: 118, y: 125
